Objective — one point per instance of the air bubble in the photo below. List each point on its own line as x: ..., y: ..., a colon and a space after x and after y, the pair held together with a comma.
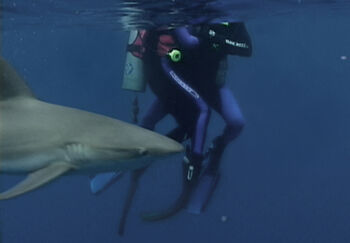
x: 224, y: 218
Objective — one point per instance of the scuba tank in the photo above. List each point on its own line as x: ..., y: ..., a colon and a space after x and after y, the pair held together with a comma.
x: 133, y: 78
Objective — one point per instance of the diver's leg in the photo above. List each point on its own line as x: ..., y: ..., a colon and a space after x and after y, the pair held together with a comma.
x: 194, y: 156
x: 227, y: 106
x: 154, y: 114
x: 232, y: 115
x: 224, y: 103
x: 199, y: 134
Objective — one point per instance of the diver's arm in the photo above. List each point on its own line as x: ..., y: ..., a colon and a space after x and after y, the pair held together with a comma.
x: 185, y: 38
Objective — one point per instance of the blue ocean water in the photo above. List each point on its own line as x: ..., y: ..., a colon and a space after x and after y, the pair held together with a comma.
x: 285, y: 179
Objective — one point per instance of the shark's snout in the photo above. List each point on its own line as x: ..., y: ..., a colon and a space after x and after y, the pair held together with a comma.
x: 168, y: 146
x: 177, y: 147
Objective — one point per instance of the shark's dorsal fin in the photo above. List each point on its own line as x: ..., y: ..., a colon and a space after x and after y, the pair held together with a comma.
x: 37, y: 179
x: 11, y: 84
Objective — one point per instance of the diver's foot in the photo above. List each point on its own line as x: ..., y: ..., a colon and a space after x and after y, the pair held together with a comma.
x: 206, y: 183
x: 202, y: 192
x: 192, y: 165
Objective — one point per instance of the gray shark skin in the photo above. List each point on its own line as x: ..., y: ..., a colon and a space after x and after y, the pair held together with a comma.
x: 46, y: 141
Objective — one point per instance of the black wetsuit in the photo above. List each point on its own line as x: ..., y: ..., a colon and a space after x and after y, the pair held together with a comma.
x: 173, y: 91
x: 200, y: 67
x: 186, y: 89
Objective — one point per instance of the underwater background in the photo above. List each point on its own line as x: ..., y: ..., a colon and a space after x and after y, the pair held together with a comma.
x: 285, y: 179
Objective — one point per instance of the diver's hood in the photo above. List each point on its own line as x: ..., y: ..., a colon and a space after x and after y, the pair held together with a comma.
x: 224, y: 36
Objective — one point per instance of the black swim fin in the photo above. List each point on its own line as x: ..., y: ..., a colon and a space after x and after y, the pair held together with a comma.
x: 201, y: 195
x: 208, y: 180
x: 134, y: 183
x: 191, y: 170
x: 179, y: 204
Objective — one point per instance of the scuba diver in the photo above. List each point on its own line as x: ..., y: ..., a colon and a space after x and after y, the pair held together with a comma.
x: 166, y: 73
x: 204, y: 69
x: 162, y: 52
x: 185, y: 68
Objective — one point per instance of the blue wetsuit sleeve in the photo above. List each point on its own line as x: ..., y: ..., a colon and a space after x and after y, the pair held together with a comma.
x: 185, y: 38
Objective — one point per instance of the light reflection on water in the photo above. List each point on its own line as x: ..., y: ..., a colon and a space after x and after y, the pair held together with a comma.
x: 123, y: 15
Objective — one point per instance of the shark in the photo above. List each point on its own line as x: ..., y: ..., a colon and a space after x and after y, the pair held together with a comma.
x: 45, y: 141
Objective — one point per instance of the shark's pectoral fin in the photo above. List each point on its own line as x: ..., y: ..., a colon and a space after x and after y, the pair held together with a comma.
x: 37, y: 179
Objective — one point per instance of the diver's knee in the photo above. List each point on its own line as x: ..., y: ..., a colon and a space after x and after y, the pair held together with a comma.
x: 237, y: 124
